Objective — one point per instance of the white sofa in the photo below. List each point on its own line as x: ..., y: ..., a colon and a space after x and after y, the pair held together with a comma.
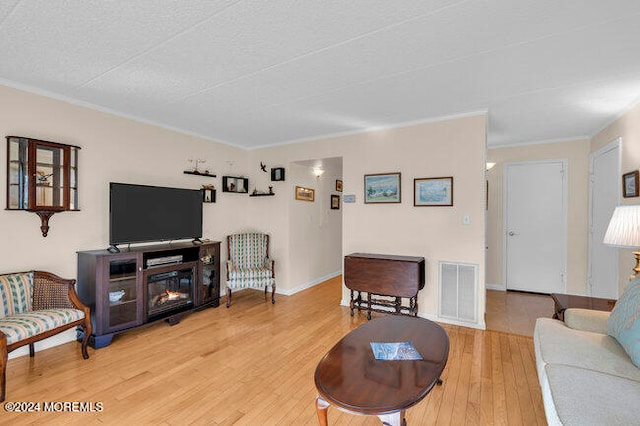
x: 586, y: 377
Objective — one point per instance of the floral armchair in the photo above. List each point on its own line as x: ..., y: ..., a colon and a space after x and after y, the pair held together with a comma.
x: 249, y: 265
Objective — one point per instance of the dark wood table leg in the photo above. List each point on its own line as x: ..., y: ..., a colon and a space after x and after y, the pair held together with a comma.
x: 351, y: 305
x: 321, y: 411
x: 368, y: 306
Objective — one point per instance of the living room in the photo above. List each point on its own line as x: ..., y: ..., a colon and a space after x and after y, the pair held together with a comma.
x: 308, y: 240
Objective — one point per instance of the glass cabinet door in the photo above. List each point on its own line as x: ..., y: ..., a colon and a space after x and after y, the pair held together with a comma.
x: 49, y: 177
x: 18, y: 174
x: 123, y: 293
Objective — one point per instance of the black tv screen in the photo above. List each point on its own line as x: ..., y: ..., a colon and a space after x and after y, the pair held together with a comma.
x: 140, y: 213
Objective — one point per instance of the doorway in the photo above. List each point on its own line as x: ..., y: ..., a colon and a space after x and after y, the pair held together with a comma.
x: 535, y: 215
x: 604, y: 196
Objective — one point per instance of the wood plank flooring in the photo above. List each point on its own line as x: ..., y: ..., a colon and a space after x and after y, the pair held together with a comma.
x: 253, y: 364
x: 516, y: 312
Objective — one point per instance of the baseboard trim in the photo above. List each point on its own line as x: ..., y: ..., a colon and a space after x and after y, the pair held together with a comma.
x: 435, y: 318
x: 497, y: 287
x: 289, y: 292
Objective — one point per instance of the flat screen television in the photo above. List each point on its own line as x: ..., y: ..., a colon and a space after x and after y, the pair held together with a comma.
x: 141, y: 213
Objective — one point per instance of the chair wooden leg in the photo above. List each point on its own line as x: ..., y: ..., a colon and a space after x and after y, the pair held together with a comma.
x: 265, y: 292
x: 4, y: 355
x: 32, y: 350
x: 228, y: 297
x: 273, y: 293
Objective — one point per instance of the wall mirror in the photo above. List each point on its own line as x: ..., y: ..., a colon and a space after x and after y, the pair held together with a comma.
x: 42, y: 177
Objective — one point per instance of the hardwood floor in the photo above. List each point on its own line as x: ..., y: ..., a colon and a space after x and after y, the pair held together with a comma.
x: 253, y: 364
x: 516, y: 312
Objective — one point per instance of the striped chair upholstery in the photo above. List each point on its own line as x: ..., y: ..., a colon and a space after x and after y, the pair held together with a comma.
x: 248, y: 264
x: 16, y: 293
x: 22, y: 326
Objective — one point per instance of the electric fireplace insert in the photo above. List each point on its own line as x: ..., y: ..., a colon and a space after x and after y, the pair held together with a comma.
x: 170, y: 292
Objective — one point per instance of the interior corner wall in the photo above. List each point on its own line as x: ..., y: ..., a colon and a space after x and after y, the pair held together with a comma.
x: 112, y: 149
x: 454, y: 147
x: 577, y: 154
x: 627, y: 127
x: 306, y: 237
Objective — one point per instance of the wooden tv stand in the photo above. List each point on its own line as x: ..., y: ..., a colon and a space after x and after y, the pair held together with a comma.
x: 142, y: 285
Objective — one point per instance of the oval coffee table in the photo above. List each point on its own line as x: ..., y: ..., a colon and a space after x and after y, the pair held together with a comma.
x: 351, y: 379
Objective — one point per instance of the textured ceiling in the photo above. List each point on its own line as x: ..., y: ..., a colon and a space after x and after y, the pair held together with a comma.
x: 255, y: 72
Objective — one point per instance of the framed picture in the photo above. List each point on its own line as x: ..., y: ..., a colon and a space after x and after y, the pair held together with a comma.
x: 338, y: 185
x: 436, y: 192
x: 277, y: 174
x: 208, y: 194
x: 335, y: 202
x: 305, y: 194
x: 382, y: 188
x: 235, y: 184
x: 630, y: 184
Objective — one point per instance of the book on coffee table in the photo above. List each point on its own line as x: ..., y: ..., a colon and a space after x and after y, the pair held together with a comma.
x: 395, y: 351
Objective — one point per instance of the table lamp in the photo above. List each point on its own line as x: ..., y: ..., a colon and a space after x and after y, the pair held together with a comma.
x: 624, y: 232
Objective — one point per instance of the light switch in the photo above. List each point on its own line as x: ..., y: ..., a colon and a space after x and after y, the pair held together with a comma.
x: 466, y: 219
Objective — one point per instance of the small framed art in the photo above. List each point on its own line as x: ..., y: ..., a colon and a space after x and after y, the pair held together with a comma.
x: 338, y: 185
x: 277, y: 174
x: 382, y: 188
x: 630, y: 184
x: 335, y: 202
x: 433, y: 192
x: 305, y: 194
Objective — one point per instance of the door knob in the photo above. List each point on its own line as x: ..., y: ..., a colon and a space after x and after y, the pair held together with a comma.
x: 511, y: 233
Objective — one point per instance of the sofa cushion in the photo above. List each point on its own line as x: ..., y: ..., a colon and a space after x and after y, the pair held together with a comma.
x: 21, y: 326
x: 558, y: 344
x: 585, y: 397
x: 16, y: 293
x: 587, y: 320
x: 624, y: 321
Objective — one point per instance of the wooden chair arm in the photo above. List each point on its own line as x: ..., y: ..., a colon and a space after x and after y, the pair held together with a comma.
x: 271, y: 264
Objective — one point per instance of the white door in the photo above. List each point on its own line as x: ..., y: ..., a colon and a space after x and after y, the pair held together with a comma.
x: 535, y: 226
x: 603, y: 199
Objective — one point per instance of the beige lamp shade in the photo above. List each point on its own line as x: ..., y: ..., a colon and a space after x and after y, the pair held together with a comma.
x: 624, y: 228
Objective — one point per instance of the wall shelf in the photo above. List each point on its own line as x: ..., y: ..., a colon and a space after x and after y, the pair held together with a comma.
x: 261, y: 195
x: 196, y: 173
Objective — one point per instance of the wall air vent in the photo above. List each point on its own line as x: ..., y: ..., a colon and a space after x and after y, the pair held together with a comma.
x: 458, y: 291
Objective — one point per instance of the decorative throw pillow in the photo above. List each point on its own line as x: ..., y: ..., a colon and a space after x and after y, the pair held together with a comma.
x: 624, y: 322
